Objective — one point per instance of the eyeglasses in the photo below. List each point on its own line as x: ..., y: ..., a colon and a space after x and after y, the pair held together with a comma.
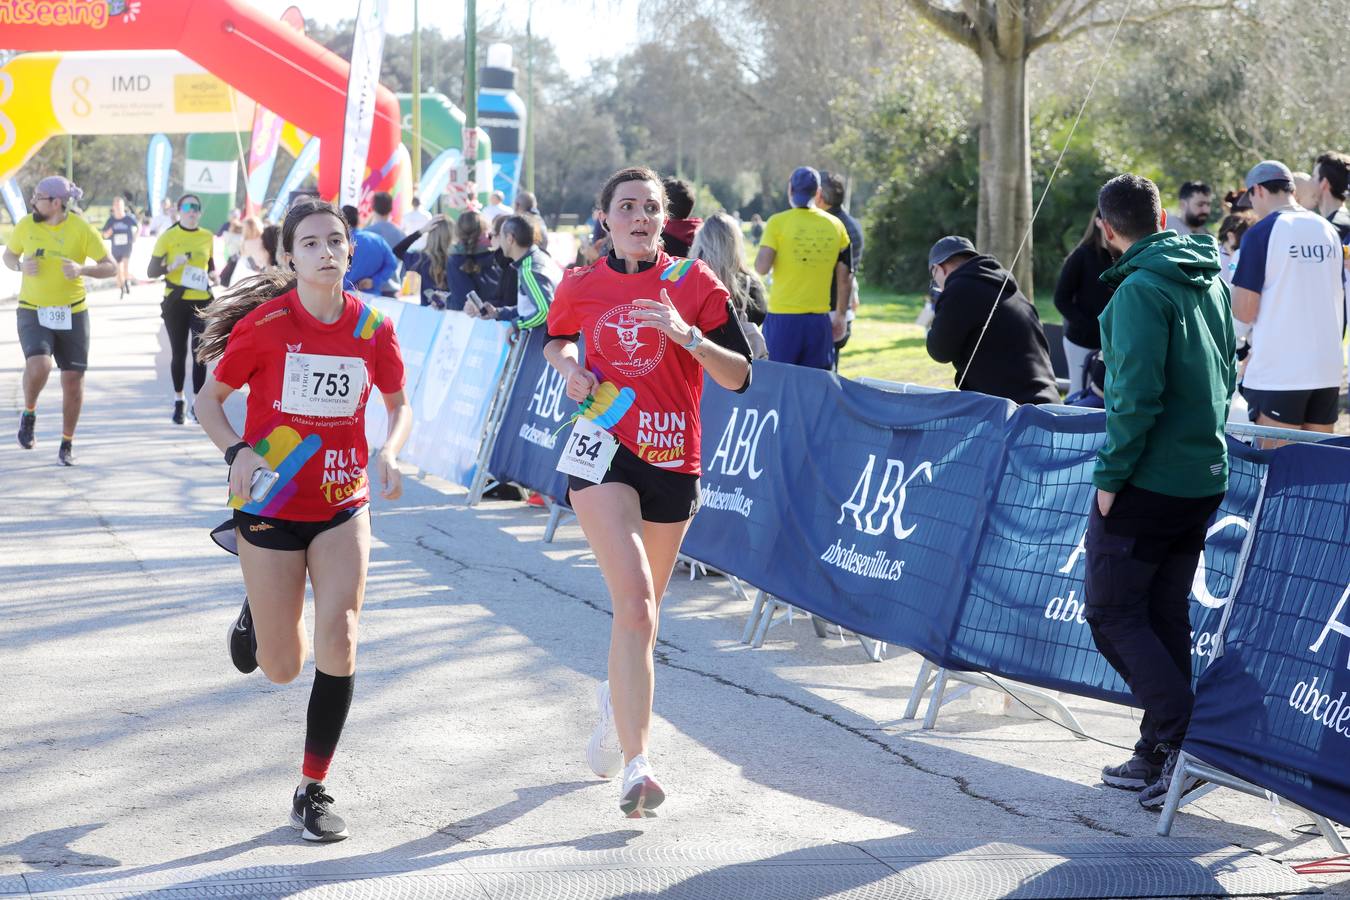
x: 37, y: 198
x: 190, y: 207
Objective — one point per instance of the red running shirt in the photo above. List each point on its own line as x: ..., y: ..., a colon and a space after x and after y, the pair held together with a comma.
x: 659, y: 383
x: 308, y: 385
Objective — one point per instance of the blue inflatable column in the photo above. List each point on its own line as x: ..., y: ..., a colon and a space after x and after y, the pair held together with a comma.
x: 501, y: 113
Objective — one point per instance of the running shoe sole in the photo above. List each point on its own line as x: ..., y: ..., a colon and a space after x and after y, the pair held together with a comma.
x: 596, y: 755
x: 642, y: 799
x: 1124, y: 784
x: 331, y: 837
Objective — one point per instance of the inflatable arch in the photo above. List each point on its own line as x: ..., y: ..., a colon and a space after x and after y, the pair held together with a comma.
x: 261, y: 57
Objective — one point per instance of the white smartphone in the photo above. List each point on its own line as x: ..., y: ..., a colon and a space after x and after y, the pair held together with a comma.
x: 473, y: 306
x: 262, y: 482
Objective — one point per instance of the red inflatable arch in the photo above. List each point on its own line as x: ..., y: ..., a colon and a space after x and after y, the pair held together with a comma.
x: 262, y: 57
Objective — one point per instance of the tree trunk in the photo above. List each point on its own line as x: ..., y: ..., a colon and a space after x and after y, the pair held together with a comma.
x: 1005, y: 160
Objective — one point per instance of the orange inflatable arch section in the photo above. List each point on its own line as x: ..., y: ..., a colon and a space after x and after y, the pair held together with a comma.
x: 264, y: 58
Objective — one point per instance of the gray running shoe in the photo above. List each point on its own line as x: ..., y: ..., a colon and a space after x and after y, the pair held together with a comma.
x: 27, y: 422
x: 1155, y: 795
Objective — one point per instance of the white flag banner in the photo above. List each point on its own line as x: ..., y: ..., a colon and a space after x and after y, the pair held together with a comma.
x: 367, y: 50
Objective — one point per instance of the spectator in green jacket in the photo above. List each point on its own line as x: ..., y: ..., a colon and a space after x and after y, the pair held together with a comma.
x: 1167, y: 342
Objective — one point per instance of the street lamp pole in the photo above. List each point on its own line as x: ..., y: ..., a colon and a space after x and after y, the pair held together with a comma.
x: 417, y: 98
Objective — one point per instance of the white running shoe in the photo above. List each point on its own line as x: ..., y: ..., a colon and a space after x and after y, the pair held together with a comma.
x: 642, y: 793
x: 603, y: 753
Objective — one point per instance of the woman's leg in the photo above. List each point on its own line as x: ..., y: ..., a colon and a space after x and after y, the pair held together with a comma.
x: 176, y: 323
x: 275, y: 581
x: 1074, y: 357
x: 612, y: 520
x: 662, y: 541
x: 196, y: 325
x: 337, y: 560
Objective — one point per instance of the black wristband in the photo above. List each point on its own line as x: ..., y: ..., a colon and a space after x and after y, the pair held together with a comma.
x: 231, y: 453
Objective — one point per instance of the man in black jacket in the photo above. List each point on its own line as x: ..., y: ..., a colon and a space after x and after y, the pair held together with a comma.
x: 1010, y: 358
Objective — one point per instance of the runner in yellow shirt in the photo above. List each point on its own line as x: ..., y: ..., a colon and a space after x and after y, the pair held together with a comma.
x: 183, y: 255
x: 50, y: 248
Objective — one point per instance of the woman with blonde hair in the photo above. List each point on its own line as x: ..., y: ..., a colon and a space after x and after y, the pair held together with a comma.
x: 719, y: 244
x: 432, y: 261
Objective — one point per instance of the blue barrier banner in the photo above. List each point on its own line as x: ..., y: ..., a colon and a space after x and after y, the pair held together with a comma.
x: 416, y: 330
x: 377, y: 418
x: 1274, y: 707
x: 528, y: 441
x: 458, y: 378
x: 1023, y: 614
x: 858, y: 505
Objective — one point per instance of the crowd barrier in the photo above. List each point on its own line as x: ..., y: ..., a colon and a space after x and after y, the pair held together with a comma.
x: 952, y: 524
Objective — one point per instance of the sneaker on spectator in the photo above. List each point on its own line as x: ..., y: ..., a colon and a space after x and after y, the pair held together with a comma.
x: 1155, y: 795
x: 1135, y: 774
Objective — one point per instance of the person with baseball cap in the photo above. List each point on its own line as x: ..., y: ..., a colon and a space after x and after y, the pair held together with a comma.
x: 1288, y: 286
x: 1004, y: 354
x: 807, y: 249
x: 50, y: 248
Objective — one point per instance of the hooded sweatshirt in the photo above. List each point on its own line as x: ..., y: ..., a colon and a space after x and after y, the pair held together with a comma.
x: 1013, y: 359
x: 678, y: 235
x: 1168, y: 345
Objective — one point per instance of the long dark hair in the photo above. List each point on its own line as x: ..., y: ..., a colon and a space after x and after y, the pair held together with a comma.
x: 223, y: 313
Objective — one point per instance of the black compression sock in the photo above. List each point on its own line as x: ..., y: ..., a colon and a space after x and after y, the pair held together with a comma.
x: 329, y: 702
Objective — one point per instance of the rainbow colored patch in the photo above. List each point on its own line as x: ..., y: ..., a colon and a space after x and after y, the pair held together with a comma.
x: 677, y: 269
x: 285, y: 452
x: 608, y: 405
x: 368, y: 323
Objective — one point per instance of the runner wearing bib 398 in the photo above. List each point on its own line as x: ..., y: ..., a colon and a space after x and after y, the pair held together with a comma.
x: 182, y: 255
x: 50, y: 248
x: 310, y: 356
x: 633, y: 457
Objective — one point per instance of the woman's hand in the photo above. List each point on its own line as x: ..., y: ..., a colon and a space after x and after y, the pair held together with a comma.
x: 432, y: 223
x: 662, y: 315
x: 391, y: 477
x: 581, y: 382
x: 246, y: 462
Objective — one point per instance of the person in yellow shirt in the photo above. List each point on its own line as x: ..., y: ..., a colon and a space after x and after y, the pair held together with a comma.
x: 806, y: 249
x: 50, y: 248
x: 183, y: 256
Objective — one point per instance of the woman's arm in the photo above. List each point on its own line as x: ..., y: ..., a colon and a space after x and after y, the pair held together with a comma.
x: 210, y: 408
x: 729, y: 369
x: 563, y: 356
x: 400, y: 426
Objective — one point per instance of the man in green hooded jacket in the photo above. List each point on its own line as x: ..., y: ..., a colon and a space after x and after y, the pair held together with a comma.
x: 1168, y: 346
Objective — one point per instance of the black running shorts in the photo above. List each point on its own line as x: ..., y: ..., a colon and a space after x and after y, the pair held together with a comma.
x: 70, y: 346
x: 284, y: 534
x: 663, y: 496
x: 1294, y: 408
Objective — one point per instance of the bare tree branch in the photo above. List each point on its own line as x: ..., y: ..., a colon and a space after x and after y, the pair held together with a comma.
x: 1060, y: 35
x: 954, y: 25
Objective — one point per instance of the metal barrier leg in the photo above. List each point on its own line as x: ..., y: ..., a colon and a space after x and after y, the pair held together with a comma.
x: 1030, y: 696
x: 1329, y: 832
x: 755, y: 612
x: 920, y: 686
x: 765, y: 620
x: 935, y: 701
x: 555, y: 517
x: 875, y: 650
x: 739, y: 588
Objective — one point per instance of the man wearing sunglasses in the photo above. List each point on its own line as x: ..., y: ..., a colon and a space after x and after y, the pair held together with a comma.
x: 183, y: 256
x: 50, y: 248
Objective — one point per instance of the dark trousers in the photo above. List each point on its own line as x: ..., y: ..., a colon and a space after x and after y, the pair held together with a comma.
x: 185, y: 329
x: 1141, y: 560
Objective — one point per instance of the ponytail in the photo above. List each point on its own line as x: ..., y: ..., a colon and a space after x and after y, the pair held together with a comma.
x: 223, y: 313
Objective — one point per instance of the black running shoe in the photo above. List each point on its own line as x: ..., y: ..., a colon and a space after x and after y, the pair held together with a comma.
x: 66, y: 455
x: 243, y: 641
x: 179, y: 410
x: 1135, y: 774
x: 27, y: 422
x: 310, y: 813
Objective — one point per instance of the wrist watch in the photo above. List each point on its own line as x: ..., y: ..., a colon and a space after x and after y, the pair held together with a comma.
x: 695, y: 338
x: 233, y: 451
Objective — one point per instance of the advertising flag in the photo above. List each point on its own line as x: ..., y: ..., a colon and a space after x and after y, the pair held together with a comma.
x: 367, y: 49
x: 158, y: 159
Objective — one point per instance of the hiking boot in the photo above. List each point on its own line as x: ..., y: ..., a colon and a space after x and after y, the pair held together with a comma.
x: 1135, y: 774
x: 1155, y: 795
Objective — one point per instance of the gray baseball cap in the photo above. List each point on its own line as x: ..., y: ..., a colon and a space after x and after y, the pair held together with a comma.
x: 1268, y: 170
x: 948, y: 247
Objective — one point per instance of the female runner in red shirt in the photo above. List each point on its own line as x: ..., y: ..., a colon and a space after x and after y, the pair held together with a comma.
x: 310, y: 355
x: 643, y: 315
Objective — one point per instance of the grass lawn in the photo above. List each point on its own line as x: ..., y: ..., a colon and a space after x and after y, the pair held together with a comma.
x: 887, y: 344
